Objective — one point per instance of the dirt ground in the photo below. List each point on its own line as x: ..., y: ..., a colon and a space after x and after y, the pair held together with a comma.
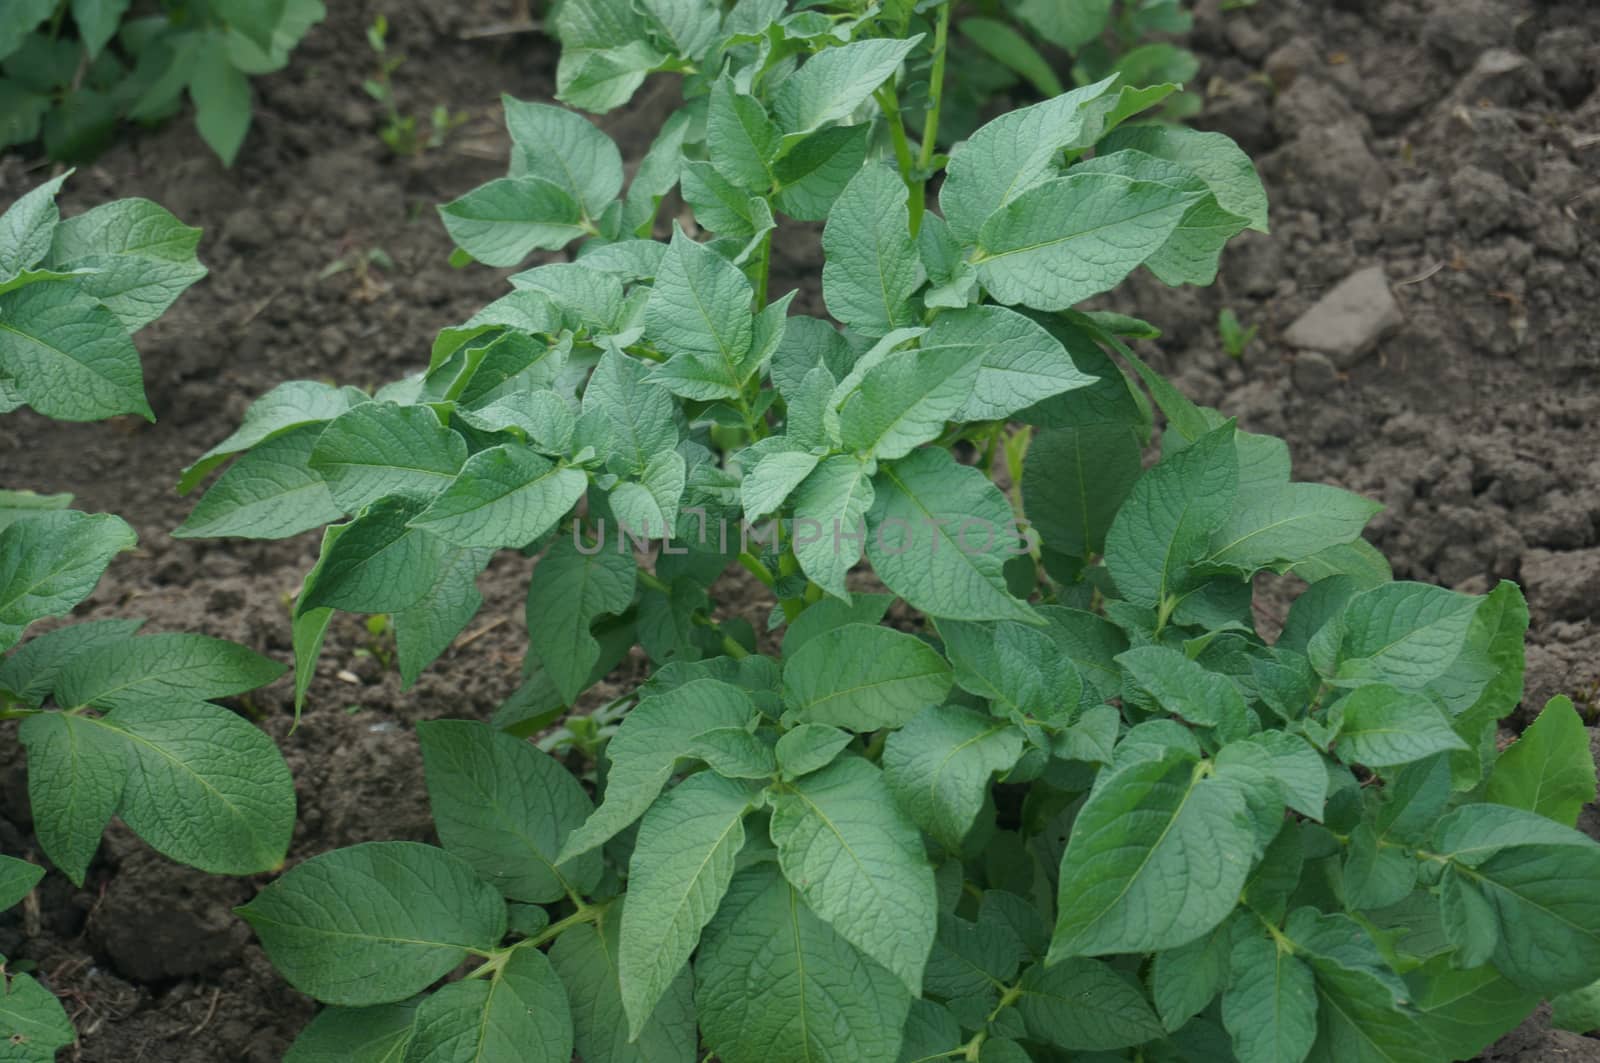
x: 1454, y: 143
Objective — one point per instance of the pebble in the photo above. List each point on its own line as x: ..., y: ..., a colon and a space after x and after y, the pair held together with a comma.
x: 1313, y: 373
x: 1347, y: 322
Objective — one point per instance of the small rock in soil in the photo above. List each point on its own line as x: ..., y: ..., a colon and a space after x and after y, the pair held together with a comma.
x: 1348, y: 322
x: 1562, y: 585
x: 1313, y: 373
x: 1332, y: 167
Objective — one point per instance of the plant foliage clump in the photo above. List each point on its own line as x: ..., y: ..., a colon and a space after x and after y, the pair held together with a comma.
x: 1067, y: 796
x: 72, y: 70
x: 114, y: 723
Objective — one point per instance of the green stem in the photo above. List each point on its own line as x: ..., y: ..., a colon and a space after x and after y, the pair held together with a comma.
x: 18, y: 714
x: 902, y: 152
x: 930, y: 128
x: 586, y: 913
x: 730, y: 645
x: 764, y: 268
x: 752, y: 564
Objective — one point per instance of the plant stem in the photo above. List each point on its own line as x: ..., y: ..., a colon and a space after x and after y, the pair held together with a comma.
x: 752, y: 564
x: 930, y: 128
x: 763, y: 267
x: 902, y: 152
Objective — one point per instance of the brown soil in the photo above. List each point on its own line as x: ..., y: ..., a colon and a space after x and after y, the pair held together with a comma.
x: 1383, y: 134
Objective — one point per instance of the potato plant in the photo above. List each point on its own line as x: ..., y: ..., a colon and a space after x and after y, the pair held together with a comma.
x: 115, y: 724
x: 72, y: 70
x: 1033, y: 782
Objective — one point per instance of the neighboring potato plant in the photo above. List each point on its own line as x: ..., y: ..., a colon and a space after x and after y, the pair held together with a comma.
x: 114, y: 724
x: 72, y: 70
x: 1064, y: 798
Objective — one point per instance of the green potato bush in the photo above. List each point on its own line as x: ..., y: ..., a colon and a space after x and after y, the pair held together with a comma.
x: 1033, y: 783
x: 72, y: 70
x: 115, y: 724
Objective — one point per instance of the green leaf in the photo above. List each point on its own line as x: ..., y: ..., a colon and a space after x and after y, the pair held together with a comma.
x: 30, y: 673
x: 735, y: 753
x: 1018, y: 668
x: 1466, y: 1011
x: 375, y: 923
x: 50, y: 562
x: 204, y: 787
x: 221, y: 95
x: 775, y: 983
x: 1288, y: 524
x: 68, y: 356
x: 36, y: 1024
x: 379, y: 449
x: 649, y: 507
x: 1185, y: 980
x: 834, y: 82
x: 269, y: 493
x: 1548, y: 769
x: 520, y: 1013
x: 1384, y: 726
x: 1226, y: 169
x: 699, y: 310
x: 141, y: 256
x: 1022, y: 364
x: 626, y: 416
x: 161, y: 667
x: 872, y: 269
x: 1091, y: 643
x: 378, y: 1034
x: 939, y: 766
x: 97, y: 22
x: 1270, y: 1005
x: 14, y: 505
x: 504, y: 221
x: 766, y: 487
x: 1534, y: 894
x: 740, y: 138
x: 506, y: 496
x: 903, y: 400
x: 27, y: 225
x: 1129, y: 882
x: 1075, y: 236
x: 17, y: 879
x: 682, y: 863
x: 830, y: 508
x: 863, y: 677
x: 817, y: 168
x: 859, y: 863
x: 378, y: 563
x: 586, y: 959
x: 284, y: 408
x: 566, y: 149
x: 808, y: 747
x: 505, y: 807
x: 1068, y: 26
x: 1298, y: 767
x: 1074, y: 481
x: 1009, y: 47
x: 1012, y: 154
x: 1163, y: 528
x: 939, y: 536
x: 1085, y: 1005
x: 569, y: 590
x: 659, y: 730
x: 1185, y: 688
x: 426, y: 629
x: 1577, y: 1010
x: 1191, y: 253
